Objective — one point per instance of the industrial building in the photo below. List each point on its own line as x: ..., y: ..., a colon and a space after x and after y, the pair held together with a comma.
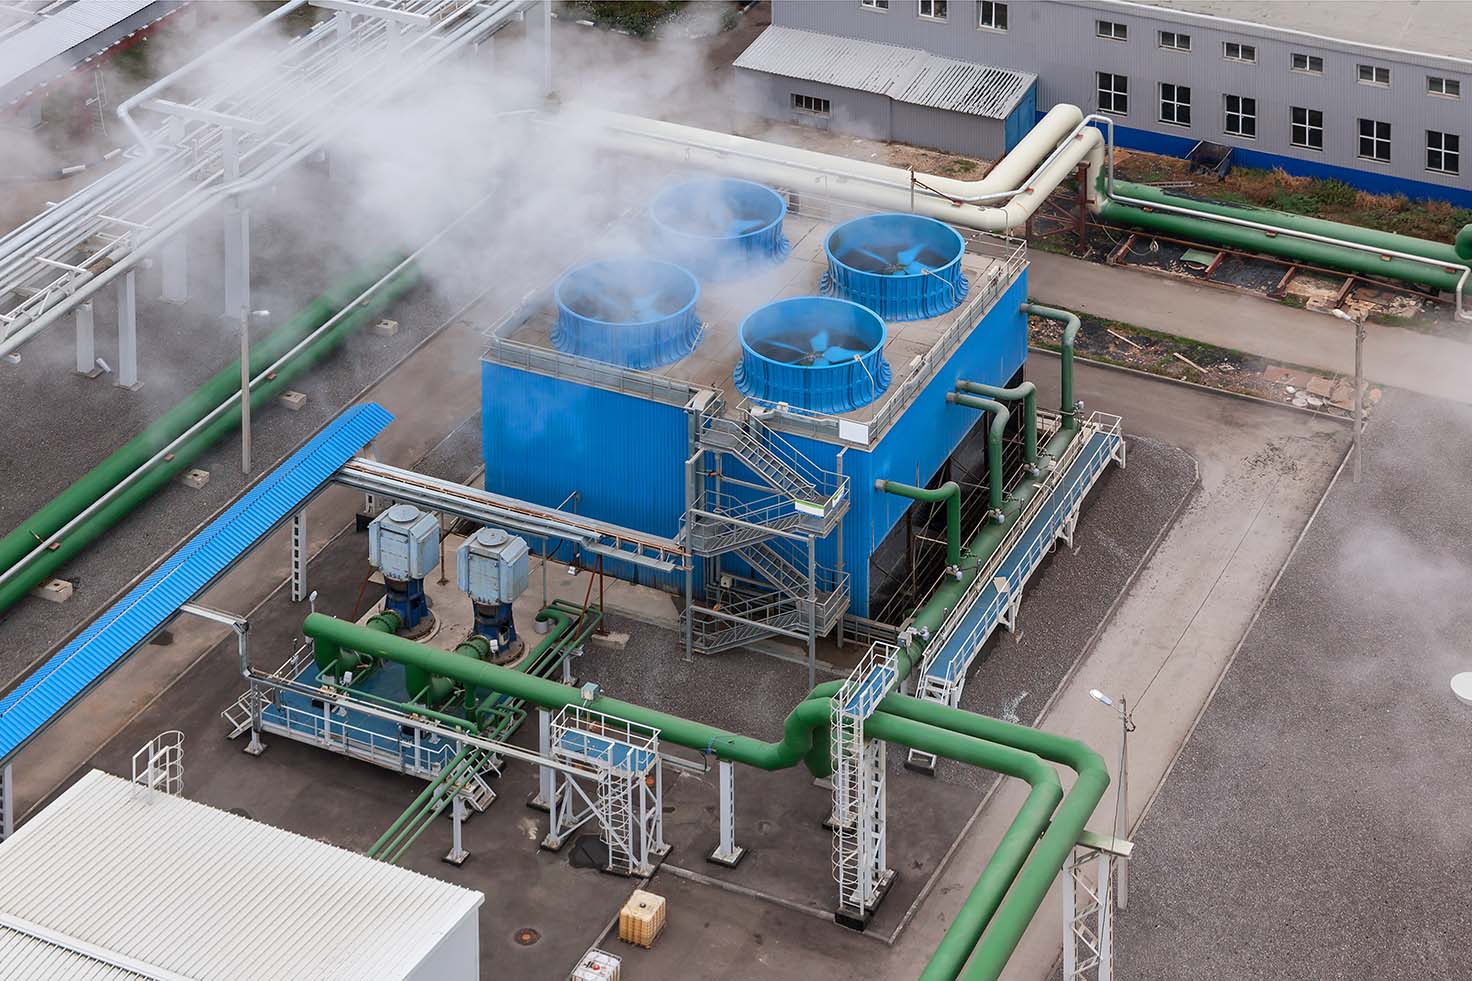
x: 1319, y: 89
x: 723, y: 590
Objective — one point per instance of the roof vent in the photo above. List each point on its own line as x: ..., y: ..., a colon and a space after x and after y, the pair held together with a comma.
x: 638, y: 313
x: 815, y: 352
x: 720, y: 228
x: 903, y: 267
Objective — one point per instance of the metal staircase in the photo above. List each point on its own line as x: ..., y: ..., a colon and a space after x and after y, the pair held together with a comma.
x: 770, y: 509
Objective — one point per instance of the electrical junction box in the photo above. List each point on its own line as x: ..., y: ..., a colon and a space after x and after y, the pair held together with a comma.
x: 404, y: 542
x: 492, y: 566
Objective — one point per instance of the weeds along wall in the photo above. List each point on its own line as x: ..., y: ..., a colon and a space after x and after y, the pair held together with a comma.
x: 624, y: 456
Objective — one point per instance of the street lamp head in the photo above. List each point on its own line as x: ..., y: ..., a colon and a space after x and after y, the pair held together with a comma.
x: 1100, y: 697
x: 1342, y: 315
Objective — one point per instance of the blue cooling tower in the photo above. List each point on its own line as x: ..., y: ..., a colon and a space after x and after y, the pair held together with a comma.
x: 813, y: 352
x: 721, y: 228
x: 638, y: 313
x: 903, y: 267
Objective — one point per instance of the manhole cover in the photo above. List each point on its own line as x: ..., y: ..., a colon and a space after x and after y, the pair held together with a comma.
x: 526, y: 936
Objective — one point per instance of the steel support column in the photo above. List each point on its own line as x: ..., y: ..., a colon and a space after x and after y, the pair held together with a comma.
x: 727, y: 852
x: 7, y: 803
x: 299, y: 556
x: 546, y: 776
x: 547, y: 47
x: 86, y: 345
x: 174, y: 258
x: 127, y: 371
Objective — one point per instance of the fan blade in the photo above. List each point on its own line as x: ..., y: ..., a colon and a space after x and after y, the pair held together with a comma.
x: 820, y: 340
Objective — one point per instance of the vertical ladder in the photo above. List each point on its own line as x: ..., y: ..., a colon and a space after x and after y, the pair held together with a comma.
x: 860, y: 797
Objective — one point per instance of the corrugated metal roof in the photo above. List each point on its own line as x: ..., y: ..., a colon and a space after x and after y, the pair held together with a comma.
x: 56, y: 34
x: 207, y: 894
x: 23, y: 955
x: 113, y: 635
x: 903, y: 74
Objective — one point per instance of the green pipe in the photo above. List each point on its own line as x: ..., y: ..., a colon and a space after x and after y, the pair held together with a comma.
x: 1000, y: 415
x: 950, y: 492
x: 1069, y: 408
x: 420, y: 801
x: 1028, y: 393
x: 1443, y: 277
x: 808, y: 718
x: 1011, y: 852
x: 107, y: 475
x: 1051, y: 852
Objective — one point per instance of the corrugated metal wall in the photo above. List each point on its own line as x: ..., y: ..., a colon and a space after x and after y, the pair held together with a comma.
x: 1058, y: 41
x: 545, y: 438
x: 865, y: 114
x: 942, y: 129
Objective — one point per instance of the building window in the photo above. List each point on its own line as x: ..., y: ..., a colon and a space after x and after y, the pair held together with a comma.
x: 1114, y: 93
x: 1232, y: 51
x: 1308, y: 128
x: 881, y: 5
x: 1375, y: 140
x: 1308, y: 64
x: 1175, y: 40
x: 1175, y: 104
x: 1113, y: 30
x: 933, y: 9
x: 991, y: 15
x: 1241, y: 116
x: 1443, y: 152
x: 1374, y: 75
x: 1447, y: 88
x: 811, y: 104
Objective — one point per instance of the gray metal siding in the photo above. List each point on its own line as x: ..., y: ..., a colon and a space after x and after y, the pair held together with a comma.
x: 857, y: 113
x: 1057, y: 41
x: 952, y: 131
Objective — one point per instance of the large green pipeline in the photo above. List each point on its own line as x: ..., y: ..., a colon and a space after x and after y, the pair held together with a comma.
x: 998, y: 429
x: 1027, y: 393
x: 102, y: 478
x: 1006, y: 748
x: 1443, y: 277
x: 950, y: 492
x: 1051, y: 852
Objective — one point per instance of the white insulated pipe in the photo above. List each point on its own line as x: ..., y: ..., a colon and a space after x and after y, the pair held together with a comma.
x: 1044, y: 158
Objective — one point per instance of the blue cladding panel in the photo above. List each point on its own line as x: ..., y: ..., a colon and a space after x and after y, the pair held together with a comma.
x: 816, y: 352
x: 720, y: 228
x: 922, y: 439
x: 112, y: 636
x: 639, y: 313
x: 1020, y: 120
x: 901, y: 266
x: 545, y: 438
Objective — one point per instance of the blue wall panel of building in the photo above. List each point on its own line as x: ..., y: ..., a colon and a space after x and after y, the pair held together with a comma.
x: 545, y: 438
x: 1020, y: 120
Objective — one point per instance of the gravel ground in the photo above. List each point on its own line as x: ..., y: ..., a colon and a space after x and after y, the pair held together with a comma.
x: 1314, y: 825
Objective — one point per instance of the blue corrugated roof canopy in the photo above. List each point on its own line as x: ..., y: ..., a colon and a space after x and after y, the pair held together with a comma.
x: 113, y: 636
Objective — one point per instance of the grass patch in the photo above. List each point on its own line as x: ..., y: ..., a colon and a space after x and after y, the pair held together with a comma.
x: 1333, y: 200
x: 640, y: 18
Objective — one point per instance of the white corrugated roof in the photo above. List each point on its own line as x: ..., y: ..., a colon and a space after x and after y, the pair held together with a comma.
x: 55, y: 34
x: 903, y: 74
x: 187, y: 889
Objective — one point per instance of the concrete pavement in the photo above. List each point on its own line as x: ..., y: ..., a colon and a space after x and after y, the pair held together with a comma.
x: 1262, y: 471
x: 1394, y: 356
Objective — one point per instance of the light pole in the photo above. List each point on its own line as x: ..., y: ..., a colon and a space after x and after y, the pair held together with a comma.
x: 1359, y: 383
x: 245, y: 318
x: 1122, y: 799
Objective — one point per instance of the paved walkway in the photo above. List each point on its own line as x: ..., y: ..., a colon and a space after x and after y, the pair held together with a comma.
x: 1393, y: 355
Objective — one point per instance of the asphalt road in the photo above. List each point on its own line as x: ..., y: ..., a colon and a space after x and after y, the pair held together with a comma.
x: 1315, y: 826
